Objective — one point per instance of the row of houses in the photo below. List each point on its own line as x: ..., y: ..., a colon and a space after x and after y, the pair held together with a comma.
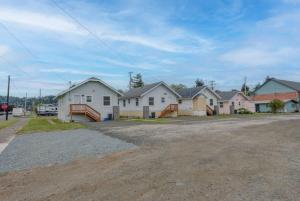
x: 96, y: 100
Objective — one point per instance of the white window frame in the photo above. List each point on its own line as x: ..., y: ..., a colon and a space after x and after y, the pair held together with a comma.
x: 221, y: 104
x: 163, y: 100
x: 137, y: 102
x: 109, y: 101
x: 86, y: 99
x: 149, y: 101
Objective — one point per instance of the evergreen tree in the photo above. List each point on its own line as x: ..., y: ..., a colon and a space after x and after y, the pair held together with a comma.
x: 178, y: 87
x: 199, y: 83
x: 245, y: 89
x: 137, y: 81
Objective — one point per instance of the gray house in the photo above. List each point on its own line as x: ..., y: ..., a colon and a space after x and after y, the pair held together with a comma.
x: 91, y: 99
x: 152, y: 100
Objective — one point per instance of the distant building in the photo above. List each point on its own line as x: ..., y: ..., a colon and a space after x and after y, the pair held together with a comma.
x: 232, y: 101
x: 284, y: 90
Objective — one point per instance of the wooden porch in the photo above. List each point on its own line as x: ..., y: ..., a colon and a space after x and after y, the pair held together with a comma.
x: 84, y: 109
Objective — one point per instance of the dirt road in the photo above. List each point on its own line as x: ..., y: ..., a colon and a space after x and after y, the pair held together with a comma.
x: 225, y: 160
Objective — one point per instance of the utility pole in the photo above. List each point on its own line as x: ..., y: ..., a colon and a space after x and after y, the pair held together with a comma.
x: 212, y: 84
x: 130, y: 80
x: 40, y: 100
x: 25, y: 104
x: 245, y: 86
x: 7, y: 97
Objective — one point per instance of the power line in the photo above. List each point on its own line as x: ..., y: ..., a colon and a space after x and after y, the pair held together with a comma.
x: 34, y: 56
x: 18, y: 40
x: 98, y: 39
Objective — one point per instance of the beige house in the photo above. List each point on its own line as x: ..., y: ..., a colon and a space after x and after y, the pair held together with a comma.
x: 152, y: 100
x: 91, y: 99
x: 197, y: 101
x: 232, y: 101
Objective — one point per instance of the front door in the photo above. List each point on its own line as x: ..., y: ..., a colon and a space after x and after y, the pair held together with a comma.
x: 77, y: 99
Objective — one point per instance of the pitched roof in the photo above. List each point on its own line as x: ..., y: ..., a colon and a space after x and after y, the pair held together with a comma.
x: 91, y: 79
x: 227, y: 95
x: 138, y: 92
x: 291, y: 84
x: 190, y: 92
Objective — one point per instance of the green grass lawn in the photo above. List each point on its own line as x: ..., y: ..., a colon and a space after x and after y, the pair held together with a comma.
x: 46, y: 124
x: 10, y: 122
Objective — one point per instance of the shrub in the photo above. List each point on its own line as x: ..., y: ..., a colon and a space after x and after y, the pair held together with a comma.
x: 276, y: 105
x: 244, y: 111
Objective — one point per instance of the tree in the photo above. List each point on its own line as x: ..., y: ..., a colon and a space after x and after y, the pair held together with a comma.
x: 276, y: 105
x: 137, y: 81
x: 178, y: 87
x: 245, y: 89
x: 199, y: 83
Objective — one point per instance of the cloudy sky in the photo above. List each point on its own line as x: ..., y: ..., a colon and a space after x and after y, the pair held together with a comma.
x: 46, y: 43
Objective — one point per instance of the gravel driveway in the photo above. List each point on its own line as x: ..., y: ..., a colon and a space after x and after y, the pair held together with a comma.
x: 41, y: 149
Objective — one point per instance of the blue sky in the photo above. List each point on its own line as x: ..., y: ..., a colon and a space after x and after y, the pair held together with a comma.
x: 175, y: 41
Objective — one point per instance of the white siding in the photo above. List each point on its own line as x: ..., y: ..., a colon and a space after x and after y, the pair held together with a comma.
x: 158, y: 93
x: 94, y: 89
x: 209, y: 95
x: 131, y: 106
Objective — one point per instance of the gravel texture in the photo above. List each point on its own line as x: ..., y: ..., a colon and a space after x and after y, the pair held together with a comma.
x: 42, y: 149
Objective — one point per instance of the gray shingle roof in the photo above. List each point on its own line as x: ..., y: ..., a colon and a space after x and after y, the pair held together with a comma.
x: 227, y: 95
x: 137, y: 92
x: 189, y: 92
x: 291, y: 84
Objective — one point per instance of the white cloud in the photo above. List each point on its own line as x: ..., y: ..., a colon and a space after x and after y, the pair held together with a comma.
x: 3, y: 50
x: 79, y: 72
x: 259, y: 57
x: 165, y: 38
x: 40, y: 20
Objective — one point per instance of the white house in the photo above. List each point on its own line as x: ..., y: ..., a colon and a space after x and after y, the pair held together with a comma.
x: 91, y: 99
x: 151, y: 100
x: 197, y: 101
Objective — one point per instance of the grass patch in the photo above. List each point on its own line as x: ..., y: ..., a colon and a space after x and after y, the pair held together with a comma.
x: 158, y: 120
x: 10, y: 122
x: 40, y: 124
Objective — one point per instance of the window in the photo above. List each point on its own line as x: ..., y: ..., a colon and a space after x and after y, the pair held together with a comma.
x: 179, y: 101
x: 163, y: 99
x: 88, y: 99
x: 211, y: 102
x: 232, y: 103
x: 136, y: 102
x: 221, y: 104
x: 151, y: 100
x: 124, y: 103
x: 106, y: 100
x: 129, y: 101
x: 239, y: 103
